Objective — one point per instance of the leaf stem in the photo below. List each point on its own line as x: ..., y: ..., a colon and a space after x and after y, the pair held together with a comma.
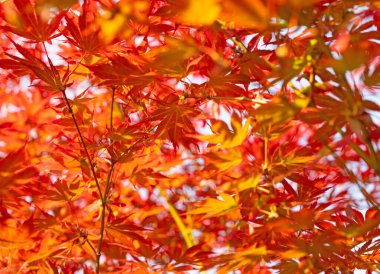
x: 91, y: 246
x: 265, y: 152
x: 107, y: 188
x: 111, y: 115
x: 186, y: 233
x: 66, y: 78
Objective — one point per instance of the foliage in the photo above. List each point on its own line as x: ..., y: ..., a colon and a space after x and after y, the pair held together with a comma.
x: 168, y: 136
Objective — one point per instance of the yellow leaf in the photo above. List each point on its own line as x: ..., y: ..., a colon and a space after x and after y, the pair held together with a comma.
x: 279, y: 110
x: 250, y: 182
x: 272, y: 213
x: 297, y: 161
x: 225, y: 160
x: 223, y: 137
x: 244, y: 13
x: 45, y: 253
x: 200, y: 12
x: 219, y: 136
x: 302, y: 101
x: 240, y: 133
x: 110, y: 28
x: 260, y: 251
x: 293, y: 254
x: 228, y: 199
x: 170, y: 59
x: 214, y: 207
x: 248, y: 257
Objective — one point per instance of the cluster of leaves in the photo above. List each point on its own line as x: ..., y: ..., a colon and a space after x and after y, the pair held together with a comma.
x: 169, y: 136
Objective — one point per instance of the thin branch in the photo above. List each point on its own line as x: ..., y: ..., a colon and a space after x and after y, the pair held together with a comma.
x: 83, y: 145
x: 100, y: 242
x: 112, y: 103
x: 312, y: 85
x: 106, y: 191
x: 102, y: 198
x: 103, y: 217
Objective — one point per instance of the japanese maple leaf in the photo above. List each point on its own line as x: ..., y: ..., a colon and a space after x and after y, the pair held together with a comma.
x: 215, y: 207
x: 14, y: 172
x: 21, y: 66
x: 123, y: 70
x: 30, y: 24
x: 227, y: 85
x: 83, y: 30
x: 174, y: 120
x: 223, y: 137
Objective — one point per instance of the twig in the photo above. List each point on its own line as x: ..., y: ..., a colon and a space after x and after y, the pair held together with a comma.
x: 106, y: 191
x: 83, y: 145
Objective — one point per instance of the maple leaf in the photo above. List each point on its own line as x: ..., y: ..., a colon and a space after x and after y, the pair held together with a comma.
x: 227, y: 85
x: 13, y: 171
x: 261, y: 66
x: 244, y: 14
x: 196, y: 12
x: 169, y: 60
x: 248, y: 257
x: 193, y: 12
x: 215, y: 207
x: 121, y: 228
x: 82, y: 29
x: 174, y: 120
x: 248, y: 182
x: 16, y: 236
x: 30, y: 23
x: 278, y: 111
x: 123, y: 70
x: 64, y: 191
x: 223, y: 137
x: 48, y: 74
x: 224, y: 161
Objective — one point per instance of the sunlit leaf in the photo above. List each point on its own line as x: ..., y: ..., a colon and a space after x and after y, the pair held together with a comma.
x: 223, y: 137
x: 215, y: 207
